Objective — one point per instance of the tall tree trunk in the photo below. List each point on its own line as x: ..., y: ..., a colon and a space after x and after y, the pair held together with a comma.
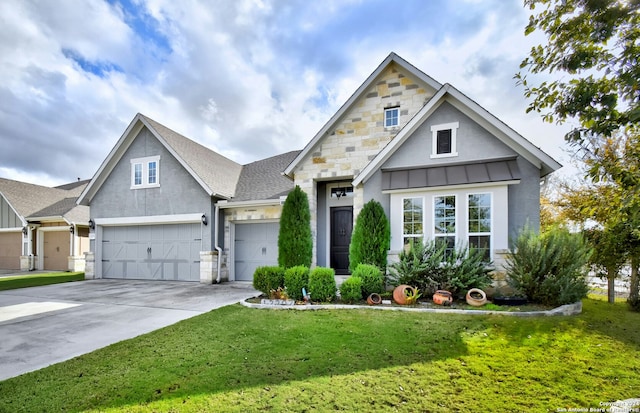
x: 611, y: 285
x: 634, y: 287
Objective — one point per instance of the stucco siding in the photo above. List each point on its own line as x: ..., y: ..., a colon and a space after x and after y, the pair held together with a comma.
x: 474, y: 143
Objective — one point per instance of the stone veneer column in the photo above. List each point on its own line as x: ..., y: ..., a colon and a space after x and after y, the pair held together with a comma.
x: 208, y: 266
x: 89, y: 265
x: 76, y: 263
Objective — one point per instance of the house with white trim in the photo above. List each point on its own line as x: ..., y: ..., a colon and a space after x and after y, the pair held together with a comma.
x: 443, y: 167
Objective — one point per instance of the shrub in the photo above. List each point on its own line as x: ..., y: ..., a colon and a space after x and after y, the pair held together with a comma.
x: 295, y: 279
x: 431, y: 267
x: 351, y: 290
x: 322, y: 284
x: 549, y: 268
x: 372, y: 279
x: 294, y: 239
x: 268, y: 278
x: 371, y: 237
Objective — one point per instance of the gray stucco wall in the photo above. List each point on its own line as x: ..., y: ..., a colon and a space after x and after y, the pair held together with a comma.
x: 179, y: 192
x: 473, y: 142
x: 8, y: 218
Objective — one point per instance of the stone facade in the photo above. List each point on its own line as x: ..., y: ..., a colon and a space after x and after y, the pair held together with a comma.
x: 359, y: 136
x: 208, y: 266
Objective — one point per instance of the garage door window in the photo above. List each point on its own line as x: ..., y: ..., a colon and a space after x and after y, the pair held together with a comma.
x: 145, y: 172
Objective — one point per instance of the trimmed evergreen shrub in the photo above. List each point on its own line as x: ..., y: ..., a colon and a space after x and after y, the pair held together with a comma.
x: 430, y: 267
x: 295, y: 244
x: 372, y: 279
x: 351, y: 290
x: 268, y: 278
x: 550, y: 268
x: 371, y: 237
x: 295, y: 279
x: 322, y: 284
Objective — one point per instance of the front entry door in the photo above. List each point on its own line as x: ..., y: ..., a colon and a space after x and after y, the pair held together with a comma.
x: 341, y: 227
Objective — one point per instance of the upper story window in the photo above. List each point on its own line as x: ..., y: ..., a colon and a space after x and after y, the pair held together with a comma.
x: 391, y: 117
x: 145, y: 172
x: 444, y: 140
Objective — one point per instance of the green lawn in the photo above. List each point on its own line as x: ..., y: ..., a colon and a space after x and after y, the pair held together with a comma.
x: 35, y: 280
x: 240, y: 359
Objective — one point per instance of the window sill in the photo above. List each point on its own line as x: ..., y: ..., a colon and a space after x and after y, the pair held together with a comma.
x: 145, y: 186
x: 445, y: 155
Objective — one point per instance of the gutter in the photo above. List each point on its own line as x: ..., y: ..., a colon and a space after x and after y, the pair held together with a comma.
x: 215, y: 242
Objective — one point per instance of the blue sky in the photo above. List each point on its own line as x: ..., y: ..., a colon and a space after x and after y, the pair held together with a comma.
x: 247, y: 78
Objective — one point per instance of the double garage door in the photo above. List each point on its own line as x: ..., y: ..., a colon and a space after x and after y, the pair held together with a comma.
x: 255, y: 245
x: 152, y: 252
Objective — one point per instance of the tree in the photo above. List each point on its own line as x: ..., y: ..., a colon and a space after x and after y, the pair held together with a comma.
x: 371, y: 237
x: 597, y: 43
x: 295, y: 245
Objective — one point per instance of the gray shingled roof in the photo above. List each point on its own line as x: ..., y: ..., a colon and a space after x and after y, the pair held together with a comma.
x: 263, y: 179
x: 220, y: 174
x: 29, y: 198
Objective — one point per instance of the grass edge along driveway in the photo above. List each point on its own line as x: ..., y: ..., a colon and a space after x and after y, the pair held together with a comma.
x: 240, y: 359
x: 36, y: 280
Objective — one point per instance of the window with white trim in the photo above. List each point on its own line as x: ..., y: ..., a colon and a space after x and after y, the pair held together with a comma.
x: 444, y: 221
x: 412, y: 221
x: 391, y: 117
x: 145, y: 172
x: 444, y: 140
x: 479, y: 223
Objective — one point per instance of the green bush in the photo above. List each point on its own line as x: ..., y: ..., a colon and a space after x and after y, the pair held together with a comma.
x: 431, y: 267
x: 351, y: 290
x: 268, y: 278
x: 372, y: 279
x: 294, y: 239
x: 322, y: 284
x: 371, y: 237
x: 550, y: 268
x: 295, y: 279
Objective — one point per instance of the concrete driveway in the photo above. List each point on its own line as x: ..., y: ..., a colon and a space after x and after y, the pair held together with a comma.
x: 40, y: 326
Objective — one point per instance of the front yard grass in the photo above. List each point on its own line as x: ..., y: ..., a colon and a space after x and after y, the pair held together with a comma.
x: 36, y: 280
x: 240, y: 359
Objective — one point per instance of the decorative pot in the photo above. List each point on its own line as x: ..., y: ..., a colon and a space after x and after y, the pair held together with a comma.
x: 400, y: 293
x: 509, y: 300
x: 476, y: 297
x: 374, y: 299
x: 442, y: 297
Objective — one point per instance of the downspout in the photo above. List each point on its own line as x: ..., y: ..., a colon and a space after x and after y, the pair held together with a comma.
x: 215, y: 242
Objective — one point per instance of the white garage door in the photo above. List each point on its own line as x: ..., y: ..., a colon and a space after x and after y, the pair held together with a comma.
x: 152, y: 252
x: 255, y: 245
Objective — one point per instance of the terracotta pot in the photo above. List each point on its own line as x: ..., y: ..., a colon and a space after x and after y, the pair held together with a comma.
x: 400, y: 295
x: 374, y: 299
x: 476, y: 297
x: 442, y: 297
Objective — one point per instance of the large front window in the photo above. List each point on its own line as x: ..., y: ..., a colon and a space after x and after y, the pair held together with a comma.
x: 412, y: 221
x: 480, y: 223
x: 444, y: 222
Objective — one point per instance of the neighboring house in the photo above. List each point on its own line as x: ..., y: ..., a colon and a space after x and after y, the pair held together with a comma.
x: 440, y: 165
x: 42, y: 228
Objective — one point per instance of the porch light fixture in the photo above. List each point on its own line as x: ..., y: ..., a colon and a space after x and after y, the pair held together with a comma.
x: 24, y: 230
x: 92, y: 224
x: 204, y: 219
x: 71, y: 229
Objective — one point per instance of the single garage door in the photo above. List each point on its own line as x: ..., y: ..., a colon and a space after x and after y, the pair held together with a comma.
x: 256, y: 245
x: 56, y: 250
x: 10, y: 250
x: 152, y: 252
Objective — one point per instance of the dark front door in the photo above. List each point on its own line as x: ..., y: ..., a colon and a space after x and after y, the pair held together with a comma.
x: 341, y: 227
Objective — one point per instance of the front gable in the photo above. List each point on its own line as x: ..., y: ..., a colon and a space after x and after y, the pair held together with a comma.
x: 358, y: 131
x: 173, y: 191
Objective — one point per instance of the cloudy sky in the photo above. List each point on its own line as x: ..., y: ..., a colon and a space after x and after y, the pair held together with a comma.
x: 247, y: 78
